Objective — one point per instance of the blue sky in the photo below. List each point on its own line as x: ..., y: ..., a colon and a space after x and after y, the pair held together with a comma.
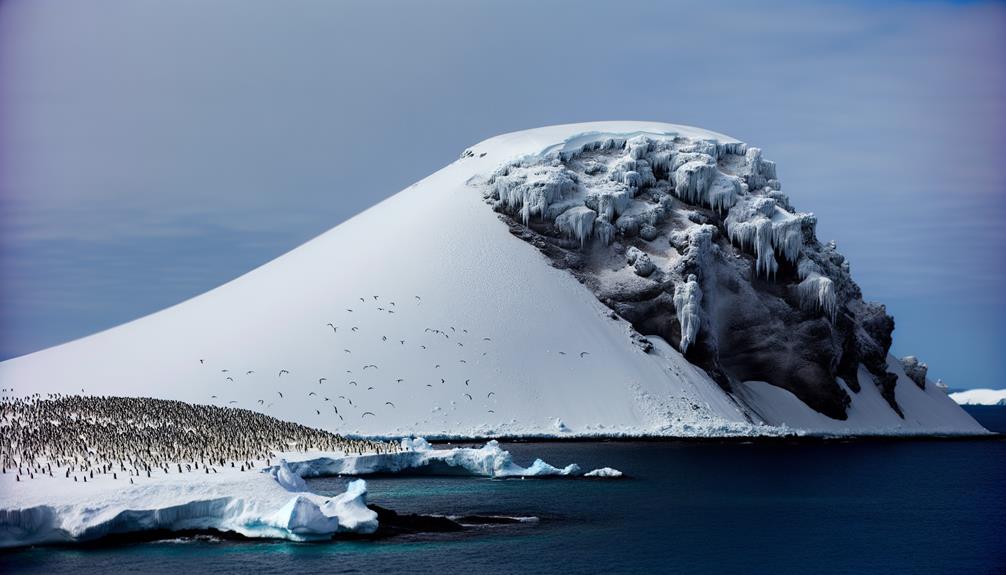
x: 152, y: 150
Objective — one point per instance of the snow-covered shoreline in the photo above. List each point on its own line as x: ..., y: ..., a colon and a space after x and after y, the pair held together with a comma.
x: 273, y: 502
x: 418, y: 456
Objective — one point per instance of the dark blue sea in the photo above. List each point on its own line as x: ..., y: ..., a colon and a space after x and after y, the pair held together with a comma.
x: 820, y: 507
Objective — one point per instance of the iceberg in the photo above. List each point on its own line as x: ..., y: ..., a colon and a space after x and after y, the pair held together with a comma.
x: 980, y: 397
x: 271, y: 505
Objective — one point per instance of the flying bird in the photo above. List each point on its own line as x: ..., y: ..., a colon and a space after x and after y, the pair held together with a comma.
x: 318, y: 411
x: 491, y: 393
x: 322, y: 379
x: 249, y: 372
x: 223, y: 371
x: 366, y: 413
x: 281, y: 372
x: 466, y: 382
x: 468, y: 396
x: 280, y: 393
x: 347, y: 351
x: 583, y: 353
x: 202, y: 361
x: 399, y: 380
x: 389, y: 403
x: 312, y: 393
x: 354, y: 328
x: 353, y: 383
x: 229, y: 378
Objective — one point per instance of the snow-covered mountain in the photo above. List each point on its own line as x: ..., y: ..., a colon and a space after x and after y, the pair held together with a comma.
x: 435, y: 314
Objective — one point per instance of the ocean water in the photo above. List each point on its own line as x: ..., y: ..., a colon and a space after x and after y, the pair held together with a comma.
x: 820, y: 507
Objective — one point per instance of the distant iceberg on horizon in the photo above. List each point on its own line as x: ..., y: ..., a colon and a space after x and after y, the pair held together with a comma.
x: 980, y: 397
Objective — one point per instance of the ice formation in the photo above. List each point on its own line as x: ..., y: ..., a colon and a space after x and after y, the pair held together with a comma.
x: 726, y: 267
x: 687, y: 302
x: 603, y: 472
x: 980, y: 397
x: 420, y: 458
x: 274, y: 505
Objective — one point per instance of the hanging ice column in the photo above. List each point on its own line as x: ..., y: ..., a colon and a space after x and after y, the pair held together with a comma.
x: 577, y: 222
x: 687, y: 302
x: 757, y: 222
x: 530, y: 191
x: 816, y: 290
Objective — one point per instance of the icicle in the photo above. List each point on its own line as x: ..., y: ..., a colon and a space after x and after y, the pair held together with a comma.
x: 687, y: 302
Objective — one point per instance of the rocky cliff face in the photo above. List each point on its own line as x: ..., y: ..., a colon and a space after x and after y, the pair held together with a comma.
x: 693, y: 240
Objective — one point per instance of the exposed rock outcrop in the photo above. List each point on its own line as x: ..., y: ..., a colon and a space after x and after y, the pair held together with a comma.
x: 694, y: 241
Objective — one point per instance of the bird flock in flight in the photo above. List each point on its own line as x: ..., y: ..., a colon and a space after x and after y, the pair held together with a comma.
x: 448, y: 349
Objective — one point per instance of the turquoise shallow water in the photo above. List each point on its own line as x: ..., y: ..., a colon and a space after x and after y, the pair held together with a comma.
x: 834, y: 507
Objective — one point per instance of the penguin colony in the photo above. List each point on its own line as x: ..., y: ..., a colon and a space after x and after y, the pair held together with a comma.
x: 130, y: 439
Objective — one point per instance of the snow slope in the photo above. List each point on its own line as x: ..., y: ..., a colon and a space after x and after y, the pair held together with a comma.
x: 980, y: 397
x: 442, y: 324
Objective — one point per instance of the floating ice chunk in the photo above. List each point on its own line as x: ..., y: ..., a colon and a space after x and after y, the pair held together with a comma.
x: 687, y: 303
x: 603, y: 472
x: 577, y: 222
x: 286, y: 478
x: 420, y: 457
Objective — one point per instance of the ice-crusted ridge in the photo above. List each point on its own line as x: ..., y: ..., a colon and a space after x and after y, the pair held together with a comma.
x: 685, y: 214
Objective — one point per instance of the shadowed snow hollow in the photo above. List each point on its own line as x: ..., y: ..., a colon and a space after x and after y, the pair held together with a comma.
x: 427, y: 315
